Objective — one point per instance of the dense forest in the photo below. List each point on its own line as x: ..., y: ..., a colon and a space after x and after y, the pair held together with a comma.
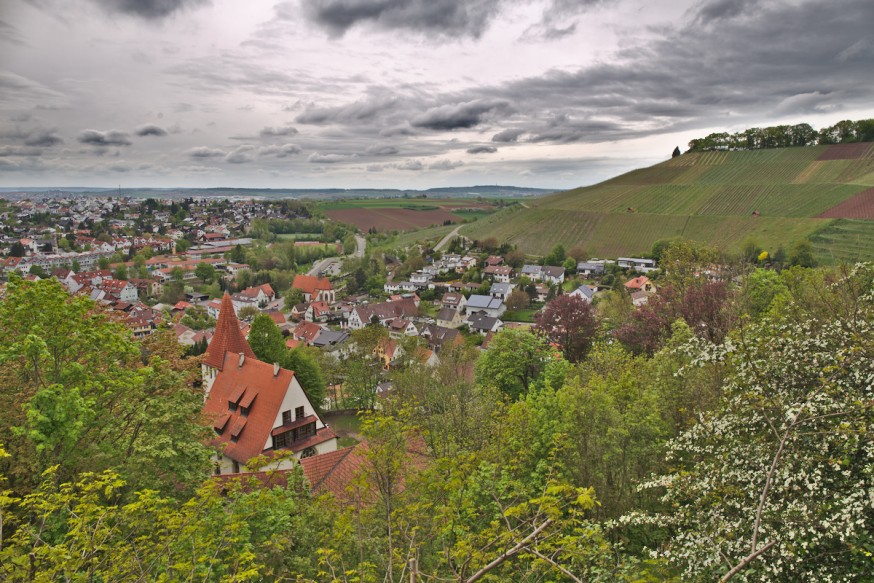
x: 787, y: 136
x: 722, y: 432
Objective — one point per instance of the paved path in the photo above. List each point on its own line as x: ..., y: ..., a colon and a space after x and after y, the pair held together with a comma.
x: 320, y: 266
x: 445, y: 240
x: 360, y: 245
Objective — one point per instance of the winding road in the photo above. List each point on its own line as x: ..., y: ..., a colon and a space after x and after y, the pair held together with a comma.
x: 445, y: 240
x: 321, y: 266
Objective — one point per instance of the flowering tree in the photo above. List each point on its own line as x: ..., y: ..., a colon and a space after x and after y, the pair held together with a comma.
x: 570, y: 322
x: 776, y: 483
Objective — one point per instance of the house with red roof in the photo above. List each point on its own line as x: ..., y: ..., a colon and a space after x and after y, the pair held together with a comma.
x: 315, y: 288
x: 317, y: 312
x: 256, y: 408
x: 641, y: 283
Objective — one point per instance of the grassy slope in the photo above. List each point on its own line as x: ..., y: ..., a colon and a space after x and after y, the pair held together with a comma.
x: 710, y: 197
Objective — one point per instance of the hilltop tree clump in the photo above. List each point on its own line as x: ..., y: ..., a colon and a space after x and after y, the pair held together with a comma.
x: 786, y: 136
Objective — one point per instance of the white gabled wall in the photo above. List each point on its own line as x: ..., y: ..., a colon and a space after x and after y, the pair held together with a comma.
x: 295, y: 397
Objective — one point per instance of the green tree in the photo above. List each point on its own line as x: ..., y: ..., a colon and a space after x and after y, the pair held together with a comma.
x: 197, y: 318
x: 120, y: 272
x: 77, y: 395
x: 513, y: 362
x: 556, y: 256
x: 801, y: 254
x: 205, y: 272
x: 759, y: 290
x: 38, y: 271
x: 182, y: 245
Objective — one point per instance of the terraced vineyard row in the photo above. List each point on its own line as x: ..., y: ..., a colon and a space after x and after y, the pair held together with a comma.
x: 706, y: 196
x: 844, y: 240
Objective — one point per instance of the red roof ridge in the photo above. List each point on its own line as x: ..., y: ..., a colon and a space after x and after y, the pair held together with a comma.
x: 228, y: 336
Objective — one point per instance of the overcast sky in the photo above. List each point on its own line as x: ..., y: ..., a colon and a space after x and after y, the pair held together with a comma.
x: 407, y: 93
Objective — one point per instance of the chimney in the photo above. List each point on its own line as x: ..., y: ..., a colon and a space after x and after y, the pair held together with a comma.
x: 242, y: 359
x: 275, y: 369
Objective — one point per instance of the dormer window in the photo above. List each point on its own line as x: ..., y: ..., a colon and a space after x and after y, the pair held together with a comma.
x: 298, y: 413
x: 286, y: 417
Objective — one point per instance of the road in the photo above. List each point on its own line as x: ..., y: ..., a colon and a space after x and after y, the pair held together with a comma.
x: 321, y: 266
x: 360, y: 245
x: 445, y: 240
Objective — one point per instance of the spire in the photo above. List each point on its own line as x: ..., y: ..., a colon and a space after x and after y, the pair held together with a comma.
x: 227, y: 338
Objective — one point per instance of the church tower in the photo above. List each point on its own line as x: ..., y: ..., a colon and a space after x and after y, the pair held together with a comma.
x: 227, y: 338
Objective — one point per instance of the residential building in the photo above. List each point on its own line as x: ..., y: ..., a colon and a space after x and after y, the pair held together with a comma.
x: 256, y: 408
x: 315, y: 288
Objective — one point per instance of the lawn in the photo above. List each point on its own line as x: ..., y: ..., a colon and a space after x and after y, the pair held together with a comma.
x: 526, y: 315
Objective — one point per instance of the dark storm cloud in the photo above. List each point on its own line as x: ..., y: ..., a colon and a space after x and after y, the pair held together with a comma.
x: 36, y: 137
x: 107, y: 138
x: 42, y: 138
x: 363, y: 111
x: 149, y: 9
x: 714, y: 10
x: 150, y: 130
x: 482, y: 150
x: 270, y: 132
x: 280, y: 151
x: 241, y: 155
x: 695, y: 77
x: 564, y: 130
x: 205, y: 152
x: 317, y: 158
x: 377, y: 150
x: 19, y: 151
x: 559, y: 19
x: 445, y: 165
x: 460, y: 115
x: 507, y: 136
x: 449, y: 18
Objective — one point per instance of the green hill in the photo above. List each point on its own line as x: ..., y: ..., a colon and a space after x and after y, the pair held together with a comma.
x: 773, y: 196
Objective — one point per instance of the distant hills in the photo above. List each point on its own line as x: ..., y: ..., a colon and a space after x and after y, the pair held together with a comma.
x: 773, y: 196
x: 486, y: 191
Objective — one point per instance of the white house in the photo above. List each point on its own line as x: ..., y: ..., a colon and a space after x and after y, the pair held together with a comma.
x: 486, y: 304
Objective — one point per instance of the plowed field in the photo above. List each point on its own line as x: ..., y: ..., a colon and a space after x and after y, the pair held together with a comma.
x: 392, y: 219
x: 860, y: 206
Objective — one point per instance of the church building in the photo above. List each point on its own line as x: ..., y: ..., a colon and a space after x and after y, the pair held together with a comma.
x: 256, y: 408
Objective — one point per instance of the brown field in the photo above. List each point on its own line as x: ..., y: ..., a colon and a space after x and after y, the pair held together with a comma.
x: 860, y: 206
x: 394, y: 219
x: 845, y: 152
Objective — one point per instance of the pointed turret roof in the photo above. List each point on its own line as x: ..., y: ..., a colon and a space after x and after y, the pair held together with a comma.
x: 227, y: 338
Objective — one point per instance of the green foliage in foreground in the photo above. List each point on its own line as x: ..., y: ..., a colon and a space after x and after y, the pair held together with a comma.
x: 745, y: 456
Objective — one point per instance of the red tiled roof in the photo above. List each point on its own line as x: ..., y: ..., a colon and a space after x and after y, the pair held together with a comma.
x: 228, y: 337
x: 333, y: 471
x: 307, y: 331
x: 310, y: 283
x: 276, y: 316
x: 637, y: 282
x: 252, y: 431
x: 252, y: 292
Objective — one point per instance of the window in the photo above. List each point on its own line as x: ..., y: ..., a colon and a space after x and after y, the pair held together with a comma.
x: 244, y: 411
x: 286, y: 417
x: 308, y: 452
x: 232, y: 406
x: 306, y: 430
x: 280, y: 440
x: 236, y: 467
x: 298, y: 413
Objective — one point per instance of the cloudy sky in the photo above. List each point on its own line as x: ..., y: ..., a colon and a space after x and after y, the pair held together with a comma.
x: 407, y: 93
